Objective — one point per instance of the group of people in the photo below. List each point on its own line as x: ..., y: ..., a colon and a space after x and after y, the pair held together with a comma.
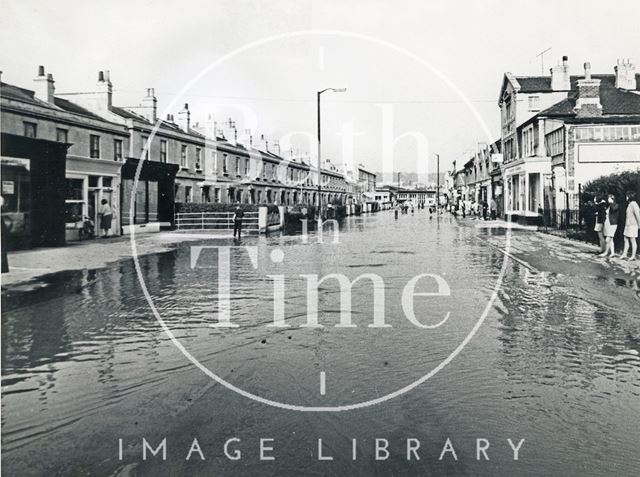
x: 484, y: 209
x: 607, y: 215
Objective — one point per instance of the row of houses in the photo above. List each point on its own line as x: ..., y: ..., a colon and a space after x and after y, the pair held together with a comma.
x: 116, y: 153
x: 557, y: 133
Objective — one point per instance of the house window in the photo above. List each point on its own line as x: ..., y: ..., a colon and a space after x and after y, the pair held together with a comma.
x: 187, y: 194
x: 206, y: 194
x: 163, y: 150
x: 117, y: 149
x: 62, y: 135
x: 198, y: 159
x: 237, y: 166
x: 30, y: 129
x: 246, y: 167
x: 145, y: 150
x: 94, y: 146
x: 534, y: 103
x: 183, y: 157
x: 225, y: 165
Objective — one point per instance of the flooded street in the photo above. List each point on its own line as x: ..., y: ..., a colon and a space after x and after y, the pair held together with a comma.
x: 555, y: 361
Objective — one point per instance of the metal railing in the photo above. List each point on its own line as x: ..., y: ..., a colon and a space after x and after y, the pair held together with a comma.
x: 214, y: 221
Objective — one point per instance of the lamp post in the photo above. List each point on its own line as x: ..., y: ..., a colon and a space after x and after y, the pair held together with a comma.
x: 335, y: 90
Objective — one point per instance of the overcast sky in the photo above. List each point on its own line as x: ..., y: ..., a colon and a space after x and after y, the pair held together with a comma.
x: 271, y: 87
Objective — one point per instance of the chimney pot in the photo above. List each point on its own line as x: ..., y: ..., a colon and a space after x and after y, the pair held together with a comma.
x: 186, y: 106
x: 100, y: 76
x: 565, y: 59
x: 40, y: 70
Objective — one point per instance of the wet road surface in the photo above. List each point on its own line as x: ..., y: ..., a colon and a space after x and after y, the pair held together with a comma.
x: 556, y: 361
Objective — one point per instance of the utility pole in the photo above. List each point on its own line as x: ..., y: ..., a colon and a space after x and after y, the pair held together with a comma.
x: 438, y: 182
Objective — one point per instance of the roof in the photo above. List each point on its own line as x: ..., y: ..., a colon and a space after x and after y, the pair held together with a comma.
x: 614, y: 101
x: 16, y: 93
x: 542, y: 84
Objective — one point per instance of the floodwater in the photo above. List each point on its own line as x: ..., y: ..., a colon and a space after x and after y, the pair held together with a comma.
x: 555, y: 361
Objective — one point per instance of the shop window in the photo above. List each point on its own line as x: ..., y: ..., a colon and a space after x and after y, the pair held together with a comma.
x: 74, y: 200
x: 107, y: 181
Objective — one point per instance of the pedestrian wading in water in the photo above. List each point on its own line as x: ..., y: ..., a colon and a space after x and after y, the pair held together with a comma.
x: 631, y: 225
x: 610, y: 226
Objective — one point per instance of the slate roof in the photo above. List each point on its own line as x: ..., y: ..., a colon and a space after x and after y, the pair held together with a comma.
x: 16, y: 93
x: 614, y: 101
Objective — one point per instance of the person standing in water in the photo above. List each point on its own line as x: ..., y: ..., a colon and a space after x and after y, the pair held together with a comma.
x: 601, y: 214
x: 610, y: 226
x: 632, y: 223
x: 238, y: 215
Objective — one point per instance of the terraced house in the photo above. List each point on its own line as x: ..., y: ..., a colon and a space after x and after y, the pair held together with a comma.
x: 96, y: 152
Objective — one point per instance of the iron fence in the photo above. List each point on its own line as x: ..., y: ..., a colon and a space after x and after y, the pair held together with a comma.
x: 189, y: 221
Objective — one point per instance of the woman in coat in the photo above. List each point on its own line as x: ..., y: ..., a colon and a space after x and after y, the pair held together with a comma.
x: 632, y: 223
x: 610, y: 226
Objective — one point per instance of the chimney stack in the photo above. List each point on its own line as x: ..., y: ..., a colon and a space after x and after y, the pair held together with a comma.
x: 44, y: 89
x: 149, y: 107
x: 625, y: 75
x: 588, y: 98
x: 230, y: 132
x: 184, y: 118
x: 105, y: 90
x: 560, y: 78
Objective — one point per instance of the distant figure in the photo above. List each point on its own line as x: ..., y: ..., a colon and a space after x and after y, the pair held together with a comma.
x: 632, y: 223
x: 463, y: 208
x: 106, y: 214
x: 411, y: 208
x: 6, y: 228
x: 485, y: 209
x: 601, y: 215
x: 610, y: 226
x: 494, y: 209
x: 238, y: 215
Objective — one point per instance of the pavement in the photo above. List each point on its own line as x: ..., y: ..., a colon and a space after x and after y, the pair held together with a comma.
x: 541, y: 251
x: 28, y: 265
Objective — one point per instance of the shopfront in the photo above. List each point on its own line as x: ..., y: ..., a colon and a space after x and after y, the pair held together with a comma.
x: 88, y: 182
x: 33, y: 182
x: 527, y: 188
x: 151, y: 199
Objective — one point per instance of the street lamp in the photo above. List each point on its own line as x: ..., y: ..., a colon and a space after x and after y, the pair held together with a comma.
x: 335, y: 90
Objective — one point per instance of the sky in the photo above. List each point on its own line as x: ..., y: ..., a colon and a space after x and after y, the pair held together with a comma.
x: 422, y: 77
